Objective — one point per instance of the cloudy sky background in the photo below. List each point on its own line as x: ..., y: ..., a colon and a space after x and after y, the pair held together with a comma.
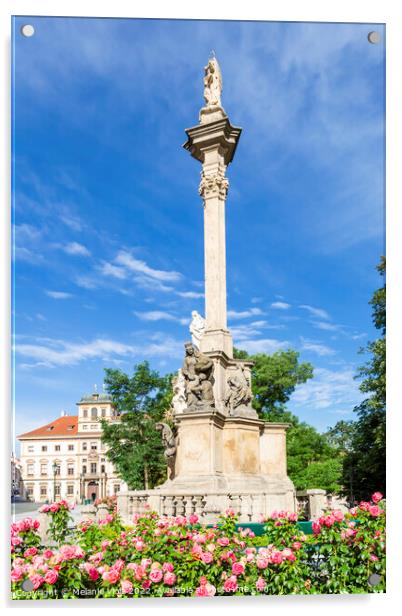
x: 108, y: 233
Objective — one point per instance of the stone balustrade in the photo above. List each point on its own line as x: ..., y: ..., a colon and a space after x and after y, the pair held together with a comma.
x: 249, y: 506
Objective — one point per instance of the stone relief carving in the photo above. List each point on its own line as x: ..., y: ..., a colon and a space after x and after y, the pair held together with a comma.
x: 198, y: 371
x: 238, y: 393
x: 197, y: 328
x: 179, y: 393
x: 169, y: 443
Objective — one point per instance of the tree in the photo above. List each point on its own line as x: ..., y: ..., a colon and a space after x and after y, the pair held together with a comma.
x: 364, y: 466
x: 274, y: 378
x: 134, y: 445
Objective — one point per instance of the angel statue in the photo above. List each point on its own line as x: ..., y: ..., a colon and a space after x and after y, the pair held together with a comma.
x: 197, y: 328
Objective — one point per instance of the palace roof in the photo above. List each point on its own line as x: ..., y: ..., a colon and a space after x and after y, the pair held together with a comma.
x: 66, y: 425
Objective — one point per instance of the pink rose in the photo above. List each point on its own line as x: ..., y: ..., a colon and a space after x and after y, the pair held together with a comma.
x: 238, y: 568
x: 37, y: 580
x: 16, y: 574
x: 111, y: 576
x: 293, y: 517
x: 126, y: 587
x: 296, y: 545
x: 375, y: 510
x: 156, y: 575
x: 364, y: 505
x: 207, y: 557
x: 167, y: 567
x: 230, y: 584
x: 54, y: 507
x: 92, y: 572
x: 36, y: 524
x: 139, y: 545
x: 288, y: 554
x: 377, y: 496
x: 276, y: 557
x: 51, y: 576
x: 262, y: 562
x: 205, y: 590
x: 260, y: 584
x: 30, y: 552
x: 146, y: 584
x: 373, y: 557
x: 223, y: 541
x: 48, y: 553
x: 193, y: 519
x: 169, y: 578
x: 338, y: 515
x: 316, y: 527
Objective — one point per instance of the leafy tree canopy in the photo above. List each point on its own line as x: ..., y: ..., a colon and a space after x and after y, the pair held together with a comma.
x: 134, y: 445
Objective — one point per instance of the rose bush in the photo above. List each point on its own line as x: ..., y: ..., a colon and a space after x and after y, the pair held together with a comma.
x: 60, y: 518
x: 176, y: 556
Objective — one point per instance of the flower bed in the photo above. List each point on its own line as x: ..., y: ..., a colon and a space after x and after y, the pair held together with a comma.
x: 178, y: 556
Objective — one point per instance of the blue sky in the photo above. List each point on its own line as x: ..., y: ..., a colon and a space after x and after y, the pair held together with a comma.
x: 108, y: 233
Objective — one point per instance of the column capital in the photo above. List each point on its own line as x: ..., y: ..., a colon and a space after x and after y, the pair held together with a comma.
x: 213, y: 185
x: 219, y: 134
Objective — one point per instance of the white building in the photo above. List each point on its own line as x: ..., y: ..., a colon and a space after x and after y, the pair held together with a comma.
x: 67, y: 459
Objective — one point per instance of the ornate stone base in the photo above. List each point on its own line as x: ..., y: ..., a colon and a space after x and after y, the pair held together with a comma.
x: 221, y: 462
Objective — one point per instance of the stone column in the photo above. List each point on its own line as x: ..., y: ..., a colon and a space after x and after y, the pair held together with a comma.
x: 214, y: 143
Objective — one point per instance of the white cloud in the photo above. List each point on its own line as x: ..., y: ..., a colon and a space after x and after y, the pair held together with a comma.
x: 316, y: 347
x: 48, y: 352
x: 108, y: 269
x: 250, y: 330
x: 190, y: 294
x: 330, y: 327
x: 328, y: 388
x: 140, y: 267
x: 233, y: 314
x: 264, y: 345
x: 58, y: 294
x: 155, y: 315
x: 280, y: 305
x: 73, y: 222
x: 316, y: 312
x: 74, y: 248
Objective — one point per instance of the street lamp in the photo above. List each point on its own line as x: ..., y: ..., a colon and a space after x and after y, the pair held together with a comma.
x: 54, y: 468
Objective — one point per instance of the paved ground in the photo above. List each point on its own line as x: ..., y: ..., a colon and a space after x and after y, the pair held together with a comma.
x: 24, y: 509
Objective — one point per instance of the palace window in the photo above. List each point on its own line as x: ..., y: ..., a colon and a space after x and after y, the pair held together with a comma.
x: 29, y: 490
x: 71, y: 448
x: 85, y: 427
x: 94, y: 427
x: 57, y: 469
x: 57, y: 447
x: 85, y: 413
x: 44, y: 447
x: 57, y: 489
x: 103, y: 411
x: 116, y: 488
x: 30, y: 469
x: 94, y: 446
x: 84, y: 470
x: 43, y: 469
x: 84, y: 446
x: 94, y: 413
x: 93, y: 468
x: 70, y: 468
x: 30, y: 448
x: 43, y: 491
x: 70, y: 490
x: 102, y: 468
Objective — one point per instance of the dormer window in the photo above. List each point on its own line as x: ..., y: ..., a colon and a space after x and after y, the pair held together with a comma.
x: 50, y: 428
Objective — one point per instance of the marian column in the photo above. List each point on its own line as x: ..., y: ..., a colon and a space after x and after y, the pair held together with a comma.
x: 213, y: 142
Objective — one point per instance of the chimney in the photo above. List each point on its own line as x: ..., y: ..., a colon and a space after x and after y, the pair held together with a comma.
x: 63, y: 414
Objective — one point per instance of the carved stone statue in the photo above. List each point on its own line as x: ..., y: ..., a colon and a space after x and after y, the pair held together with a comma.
x: 197, y: 328
x: 198, y: 373
x: 213, y: 83
x: 169, y: 442
x: 179, y: 393
x: 238, y: 393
